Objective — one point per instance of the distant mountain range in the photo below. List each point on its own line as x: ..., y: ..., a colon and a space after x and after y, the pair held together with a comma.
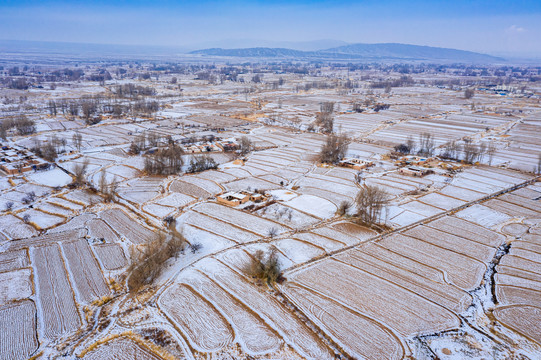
x: 334, y: 50
x: 388, y: 51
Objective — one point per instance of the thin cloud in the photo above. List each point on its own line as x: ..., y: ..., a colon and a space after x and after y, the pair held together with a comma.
x: 515, y: 29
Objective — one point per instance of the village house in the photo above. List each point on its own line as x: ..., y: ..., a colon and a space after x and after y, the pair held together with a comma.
x: 356, y: 164
x: 228, y: 145
x: 15, y: 161
x: 414, y: 171
x: 232, y: 198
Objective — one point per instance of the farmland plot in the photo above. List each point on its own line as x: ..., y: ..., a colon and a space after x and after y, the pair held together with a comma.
x: 336, y: 234
x: 77, y: 222
x: 215, y: 226
x: 40, y: 219
x: 528, y: 203
x: 210, y: 241
x: 237, y: 172
x: 346, y: 190
x: 84, y: 271
x: 509, y: 294
x: 57, y: 311
x: 11, y: 260
x: 121, y: 348
x: 483, y: 215
x: 137, y: 196
x: 333, y: 197
x: 209, y: 186
x: 287, y: 216
x: 515, y: 229
x: 468, y: 230
x: 126, y: 226
x: 357, y: 231
x: 359, y: 335
x: 47, y: 239
x: 461, y: 193
x: 192, y: 190
x: 18, y: 331
x: 461, y: 270
x: 99, y: 229
x: 246, y: 221
x: 158, y: 211
x: 405, y: 312
x: 82, y: 197
x: 524, y: 319
x: 216, y: 176
x: 320, y: 241
x: 298, y: 251
x: 53, y: 209
x: 15, y: 285
x: 421, y: 208
x: 250, y: 183
x: 15, y: 228
x: 367, y: 258
x: 290, y: 328
x: 312, y: 205
x: 511, y: 209
x: 251, y: 332
x: 441, y: 201
x: 176, y: 200
x: 203, y: 325
x: 453, y: 243
x: 111, y: 256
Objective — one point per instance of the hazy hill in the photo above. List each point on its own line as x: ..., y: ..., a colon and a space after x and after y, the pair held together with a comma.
x: 389, y: 51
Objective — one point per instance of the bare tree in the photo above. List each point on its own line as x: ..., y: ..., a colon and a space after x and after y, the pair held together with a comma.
x: 327, y: 107
x: 325, y: 121
x: 410, y: 143
x: 8, y: 206
x: 165, y: 161
x: 426, y: 144
x: 468, y: 93
x: 470, y: 151
x: 450, y: 150
x: 245, y: 146
x: 334, y: 149
x: 77, y: 140
x: 491, y: 151
x: 48, y: 152
x: 370, y: 201
x: 79, y: 171
x: 24, y: 125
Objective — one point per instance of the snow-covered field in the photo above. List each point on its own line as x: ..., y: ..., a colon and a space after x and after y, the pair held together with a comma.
x: 451, y: 261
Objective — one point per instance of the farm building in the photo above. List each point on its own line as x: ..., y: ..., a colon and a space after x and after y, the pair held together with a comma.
x: 414, y: 171
x: 232, y: 198
x: 356, y: 164
x: 15, y: 161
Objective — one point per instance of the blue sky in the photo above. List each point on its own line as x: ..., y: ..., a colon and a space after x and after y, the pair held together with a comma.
x: 501, y: 27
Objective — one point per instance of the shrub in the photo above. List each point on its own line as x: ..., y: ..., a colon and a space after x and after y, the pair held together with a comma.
x: 9, y: 205
x: 272, y: 232
x: 265, y: 267
x: 149, y: 264
x: 344, y: 207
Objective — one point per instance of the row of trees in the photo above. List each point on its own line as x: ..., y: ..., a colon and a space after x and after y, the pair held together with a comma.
x: 22, y: 125
x: 452, y: 150
x: 165, y: 161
